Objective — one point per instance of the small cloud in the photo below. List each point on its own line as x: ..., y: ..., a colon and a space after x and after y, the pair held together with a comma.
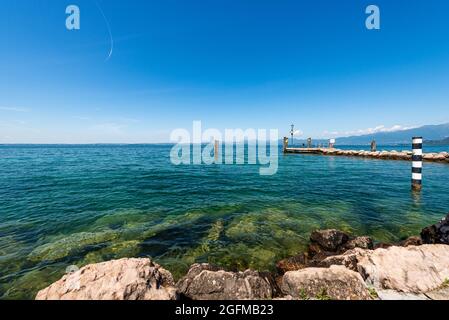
x: 13, y: 109
x: 362, y: 132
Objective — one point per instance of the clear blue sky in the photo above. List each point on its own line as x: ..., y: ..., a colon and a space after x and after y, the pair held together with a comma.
x: 230, y: 64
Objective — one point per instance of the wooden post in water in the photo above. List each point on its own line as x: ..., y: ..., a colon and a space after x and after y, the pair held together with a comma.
x: 285, y: 144
x: 417, y: 163
x: 216, y: 150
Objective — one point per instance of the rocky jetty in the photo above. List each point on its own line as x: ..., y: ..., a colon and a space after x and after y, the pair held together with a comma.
x: 386, y: 155
x: 336, y: 266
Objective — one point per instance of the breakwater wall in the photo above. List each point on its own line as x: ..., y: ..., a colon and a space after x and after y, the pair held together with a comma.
x: 442, y: 157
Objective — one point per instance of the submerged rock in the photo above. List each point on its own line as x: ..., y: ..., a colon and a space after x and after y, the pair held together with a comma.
x: 207, y: 244
x: 437, y: 233
x: 358, y: 242
x: 329, y: 239
x: 382, y: 245
x: 315, y: 249
x: 206, y: 282
x: 125, y: 279
x: 297, y: 262
x: 116, y: 250
x: 324, y: 246
x: 336, y: 283
x: 325, y: 243
x: 411, y: 241
x: 25, y: 287
x: 70, y: 245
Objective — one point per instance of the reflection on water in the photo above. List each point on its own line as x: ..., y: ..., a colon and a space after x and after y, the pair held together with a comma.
x: 75, y: 205
x: 416, y: 197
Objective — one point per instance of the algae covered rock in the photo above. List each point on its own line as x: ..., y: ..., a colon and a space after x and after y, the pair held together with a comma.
x: 324, y: 247
x: 329, y: 239
x: 209, y: 243
x: 359, y: 242
x: 71, y: 244
x: 297, y: 262
x: 116, y: 250
x: 412, y: 241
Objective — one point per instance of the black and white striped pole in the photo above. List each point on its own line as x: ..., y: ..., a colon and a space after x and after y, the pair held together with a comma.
x: 417, y: 163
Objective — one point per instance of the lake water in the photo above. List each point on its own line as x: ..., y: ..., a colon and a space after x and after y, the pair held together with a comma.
x: 74, y: 205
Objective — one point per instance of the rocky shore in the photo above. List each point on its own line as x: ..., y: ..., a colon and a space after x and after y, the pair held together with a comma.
x: 442, y: 157
x: 336, y: 266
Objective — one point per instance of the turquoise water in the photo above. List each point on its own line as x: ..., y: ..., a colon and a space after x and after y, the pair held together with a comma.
x: 65, y: 205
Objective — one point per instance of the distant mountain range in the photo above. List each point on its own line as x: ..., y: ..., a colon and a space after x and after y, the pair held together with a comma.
x: 428, y: 132
x: 432, y: 134
x: 444, y: 142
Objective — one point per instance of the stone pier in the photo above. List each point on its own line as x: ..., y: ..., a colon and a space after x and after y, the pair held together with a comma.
x: 442, y: 157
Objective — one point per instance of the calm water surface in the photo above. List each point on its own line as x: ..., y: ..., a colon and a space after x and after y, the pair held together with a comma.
x: 74, y: 205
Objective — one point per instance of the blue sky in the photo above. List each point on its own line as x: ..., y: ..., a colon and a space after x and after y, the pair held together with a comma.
x: 230, y: 64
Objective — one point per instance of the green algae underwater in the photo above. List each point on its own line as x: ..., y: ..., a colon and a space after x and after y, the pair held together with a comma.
x: 75, y: 205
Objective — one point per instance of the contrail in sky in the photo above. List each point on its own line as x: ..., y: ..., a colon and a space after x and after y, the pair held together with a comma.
x: 109, y: 30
